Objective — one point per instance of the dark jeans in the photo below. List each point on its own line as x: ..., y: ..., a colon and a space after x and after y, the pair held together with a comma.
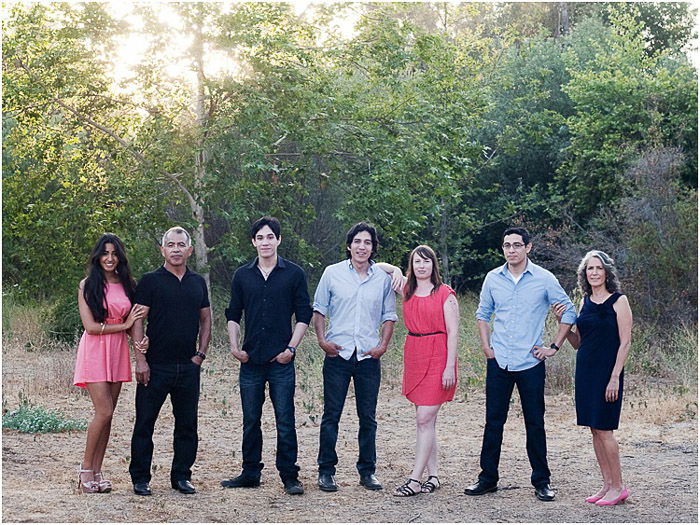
x: 366, y: 375
x: 281, y: 378
x: 181, y: 381
x: 499, y: 388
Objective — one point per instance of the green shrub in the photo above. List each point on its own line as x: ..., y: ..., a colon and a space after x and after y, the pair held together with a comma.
x: 36, y: 419
x: 62, y: 320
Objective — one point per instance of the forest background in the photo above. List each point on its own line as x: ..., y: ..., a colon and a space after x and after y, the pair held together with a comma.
x: 440, y: 123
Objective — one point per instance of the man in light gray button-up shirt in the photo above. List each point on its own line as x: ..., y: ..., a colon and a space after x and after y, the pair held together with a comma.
x: 358, y: 299
x: 517, y: 296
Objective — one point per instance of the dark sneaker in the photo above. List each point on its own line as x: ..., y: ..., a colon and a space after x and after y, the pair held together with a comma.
x: 241, y: 481
x: 293, y: 487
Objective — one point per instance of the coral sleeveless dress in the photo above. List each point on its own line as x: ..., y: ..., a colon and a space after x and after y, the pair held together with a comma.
x: 425, y: 356
x: 106, y: 357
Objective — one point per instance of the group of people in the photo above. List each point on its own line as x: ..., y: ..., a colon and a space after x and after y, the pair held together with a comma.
x: 353, y: 314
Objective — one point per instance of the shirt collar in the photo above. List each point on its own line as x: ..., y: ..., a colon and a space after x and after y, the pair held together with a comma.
x: 528, y: 268
x: 370, y: 269
x: 163, y: 269
x: 280, y: 262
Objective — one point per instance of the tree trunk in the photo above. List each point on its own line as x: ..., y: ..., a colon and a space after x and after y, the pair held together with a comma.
x: 200, y: 247
x: 562, y: 19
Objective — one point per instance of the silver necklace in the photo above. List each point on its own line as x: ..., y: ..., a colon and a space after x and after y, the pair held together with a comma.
x: 265, y: 274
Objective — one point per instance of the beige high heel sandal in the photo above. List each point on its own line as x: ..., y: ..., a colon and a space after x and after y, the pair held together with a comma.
x: 104, y: 485
x: 86, y: 487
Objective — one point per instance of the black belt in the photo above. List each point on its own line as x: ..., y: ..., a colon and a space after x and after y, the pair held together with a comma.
x: 423, y: 335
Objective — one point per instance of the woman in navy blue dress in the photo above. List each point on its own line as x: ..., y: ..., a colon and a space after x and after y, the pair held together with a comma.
x: 602, y: 337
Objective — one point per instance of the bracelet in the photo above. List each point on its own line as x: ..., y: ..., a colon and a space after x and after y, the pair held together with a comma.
x: 102, y: 329
x: 201, y: 355
x: 555, y: 347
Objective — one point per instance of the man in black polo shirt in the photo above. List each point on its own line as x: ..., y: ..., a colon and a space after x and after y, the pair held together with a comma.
x: 270, y: 290
x: 177, y: 308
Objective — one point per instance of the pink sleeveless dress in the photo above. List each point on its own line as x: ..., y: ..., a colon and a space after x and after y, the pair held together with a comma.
x: 106, y: 357
x: 425, y: 357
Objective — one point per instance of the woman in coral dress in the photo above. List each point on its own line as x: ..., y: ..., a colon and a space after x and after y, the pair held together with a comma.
x: 103, y: 364
x: 431, y: 315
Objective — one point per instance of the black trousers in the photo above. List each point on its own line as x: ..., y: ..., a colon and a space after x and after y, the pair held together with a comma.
x: 499, y: 389
x: 366, y: 375
x: 181, y: 381
x: 282, y: 382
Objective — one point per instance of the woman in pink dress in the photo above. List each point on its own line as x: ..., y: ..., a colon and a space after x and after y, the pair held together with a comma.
x: 103, y: 364
x: 431, y: 315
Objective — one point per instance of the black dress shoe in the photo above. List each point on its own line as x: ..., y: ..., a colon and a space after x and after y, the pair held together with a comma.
x: 241, y: 481
x: 370, y: 482
x: 293, y: 487
x: 142, y: 489
x: 479, y: 488
x: 544, y: 493
x: 184, y: 486
x: 326, y: 483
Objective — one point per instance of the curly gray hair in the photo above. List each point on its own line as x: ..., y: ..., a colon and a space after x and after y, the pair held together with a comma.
x: 612, y: 283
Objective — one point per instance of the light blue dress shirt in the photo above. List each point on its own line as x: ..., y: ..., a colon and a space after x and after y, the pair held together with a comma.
x: 520, y: 311
x: 356, y: 308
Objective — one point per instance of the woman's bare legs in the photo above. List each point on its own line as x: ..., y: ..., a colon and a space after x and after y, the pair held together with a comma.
x: 610, y: 464
x: 426, y: 441
x: 104, y: 397
x: 98, y: 458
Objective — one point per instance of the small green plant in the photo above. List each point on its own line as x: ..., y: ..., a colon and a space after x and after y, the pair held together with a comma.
x: 36, y: 419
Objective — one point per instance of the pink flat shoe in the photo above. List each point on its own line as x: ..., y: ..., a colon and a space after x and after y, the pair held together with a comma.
x: 593, y: 499
x: 622, y: 497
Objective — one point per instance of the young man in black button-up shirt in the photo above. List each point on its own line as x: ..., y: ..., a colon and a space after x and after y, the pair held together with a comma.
x: 177, y: 306
x: 270, y: 290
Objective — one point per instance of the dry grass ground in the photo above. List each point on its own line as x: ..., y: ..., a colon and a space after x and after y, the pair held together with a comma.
x: 658, y: 439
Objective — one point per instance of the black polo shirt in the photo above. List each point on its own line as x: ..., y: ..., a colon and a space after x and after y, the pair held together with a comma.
x: 173, y: 318
x: 269, y: 306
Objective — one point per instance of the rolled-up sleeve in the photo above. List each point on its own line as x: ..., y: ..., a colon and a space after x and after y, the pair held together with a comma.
x: 486, y: 303
x: 322, y: 296
x: 389, y: 303
x: 556, y: 294
x: 234, y: 312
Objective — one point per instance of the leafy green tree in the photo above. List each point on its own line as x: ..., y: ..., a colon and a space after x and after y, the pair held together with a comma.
x: 624, y: 100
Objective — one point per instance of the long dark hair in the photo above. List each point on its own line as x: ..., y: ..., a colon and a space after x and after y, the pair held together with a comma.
x: 426, y: 252
x: 95, y: 282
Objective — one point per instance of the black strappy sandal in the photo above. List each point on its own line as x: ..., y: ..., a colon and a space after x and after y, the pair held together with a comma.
x: 428, y: 487
x: 405, y: 490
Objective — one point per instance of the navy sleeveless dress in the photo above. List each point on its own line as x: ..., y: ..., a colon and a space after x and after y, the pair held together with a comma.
x: 595, y: 359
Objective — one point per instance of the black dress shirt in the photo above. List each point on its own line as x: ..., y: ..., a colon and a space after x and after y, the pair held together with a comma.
x: 269, y: 306
x: 173, y: 318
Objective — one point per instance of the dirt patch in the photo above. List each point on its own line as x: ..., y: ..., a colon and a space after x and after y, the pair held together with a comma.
x: 658, y: 444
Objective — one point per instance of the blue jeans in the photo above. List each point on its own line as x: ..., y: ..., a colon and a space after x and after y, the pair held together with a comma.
x: 499, y: 389
x: 181, y: 381
x: 281, y: 378
x: 366, y: 375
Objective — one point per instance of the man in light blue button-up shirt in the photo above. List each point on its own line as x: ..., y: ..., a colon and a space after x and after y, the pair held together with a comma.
x: 358, y: 299
x: 517, y: 296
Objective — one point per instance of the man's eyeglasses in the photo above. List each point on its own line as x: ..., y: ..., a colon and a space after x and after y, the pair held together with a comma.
x: 515, y: 245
